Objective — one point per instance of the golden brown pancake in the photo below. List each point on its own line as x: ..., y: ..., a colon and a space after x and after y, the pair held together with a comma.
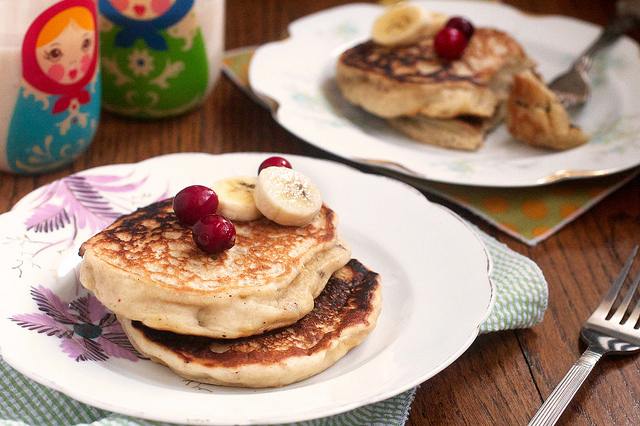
x: 464, y: 133
x: 344, y: 314
x: 411, y: 79
x: 146, y: 267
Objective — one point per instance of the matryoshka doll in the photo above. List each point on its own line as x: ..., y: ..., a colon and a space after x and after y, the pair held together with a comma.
x: 154, y: 58
x: 58, y: 106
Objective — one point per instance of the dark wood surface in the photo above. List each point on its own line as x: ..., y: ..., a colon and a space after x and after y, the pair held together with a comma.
x: 504, y: 377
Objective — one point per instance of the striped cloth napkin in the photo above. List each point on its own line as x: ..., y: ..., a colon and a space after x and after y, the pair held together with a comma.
x: 521, y: 301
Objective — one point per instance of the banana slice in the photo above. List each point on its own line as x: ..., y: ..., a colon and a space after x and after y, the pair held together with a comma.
x: 434, y: 22
x: 399, y: 24
x: 235, y: 195
x: 404, y: 23
x: 287, y: 196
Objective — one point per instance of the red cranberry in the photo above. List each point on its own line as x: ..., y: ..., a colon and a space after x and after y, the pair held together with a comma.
x: 463, y: 25
x: 449, y: 43
x: 274, y: 162
x: 194, y: 202
x: 214, y: 233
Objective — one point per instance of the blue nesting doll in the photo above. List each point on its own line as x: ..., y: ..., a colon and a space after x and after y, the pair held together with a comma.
x: 58, y: 106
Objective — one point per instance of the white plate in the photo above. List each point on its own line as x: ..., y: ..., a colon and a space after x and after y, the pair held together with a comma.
x: 434, y: 270
x: 299, y: 74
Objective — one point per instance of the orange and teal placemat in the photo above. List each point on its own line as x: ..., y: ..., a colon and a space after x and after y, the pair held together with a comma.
x: 531, y: 214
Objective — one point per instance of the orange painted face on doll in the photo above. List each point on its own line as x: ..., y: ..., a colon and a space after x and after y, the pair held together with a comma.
x: 65, y: 48
x: 142, y: 9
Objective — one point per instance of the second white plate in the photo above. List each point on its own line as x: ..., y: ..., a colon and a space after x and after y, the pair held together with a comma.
x: 299, y: 74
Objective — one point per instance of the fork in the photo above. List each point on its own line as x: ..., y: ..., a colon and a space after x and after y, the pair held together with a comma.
x: 605, y: 333
x: 573, y: 87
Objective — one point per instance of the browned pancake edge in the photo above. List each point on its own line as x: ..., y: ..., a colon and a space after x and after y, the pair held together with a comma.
x: 349, y: 300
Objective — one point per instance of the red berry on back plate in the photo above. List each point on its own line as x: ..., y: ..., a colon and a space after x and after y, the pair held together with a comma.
x: 274, y: 162
x: 463, y: 25
x: 214, y: 233
x: 194, y: 202
x: 449, y: 43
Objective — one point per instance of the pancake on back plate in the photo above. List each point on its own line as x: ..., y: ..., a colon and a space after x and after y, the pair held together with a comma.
x: 344, y: 314
x: 146, y: 267
x: 451, y: 104
x: 464, y: 133
x: 392, y: 81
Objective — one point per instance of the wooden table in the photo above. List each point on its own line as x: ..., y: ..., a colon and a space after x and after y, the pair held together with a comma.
x: 504, y: 377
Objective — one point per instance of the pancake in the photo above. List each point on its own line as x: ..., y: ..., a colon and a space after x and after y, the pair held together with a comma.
x: 344, y: 314
x: 411, y: 79
x: 465, y: 133
x: 146, y: 267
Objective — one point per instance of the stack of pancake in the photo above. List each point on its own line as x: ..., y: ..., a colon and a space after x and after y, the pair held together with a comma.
x: 282, y: 305
x: 447, y: 103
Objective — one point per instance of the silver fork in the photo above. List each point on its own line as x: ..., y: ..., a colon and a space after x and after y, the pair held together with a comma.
x: 573, y: 87
x: 605, y: 333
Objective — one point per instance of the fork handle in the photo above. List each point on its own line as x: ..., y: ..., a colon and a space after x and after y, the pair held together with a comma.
x: 622, y: 22
x: 553, y: 407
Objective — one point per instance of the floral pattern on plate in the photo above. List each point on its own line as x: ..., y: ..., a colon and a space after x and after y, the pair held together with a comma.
x: 68, y: 211
x: 89, y: 332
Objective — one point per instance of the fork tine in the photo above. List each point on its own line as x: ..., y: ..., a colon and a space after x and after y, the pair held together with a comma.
x: 622, y: 309
x: 607, y: 302
x: 635, y: 314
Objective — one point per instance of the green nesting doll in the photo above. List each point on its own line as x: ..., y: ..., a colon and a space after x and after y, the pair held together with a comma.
x: 154, y: 61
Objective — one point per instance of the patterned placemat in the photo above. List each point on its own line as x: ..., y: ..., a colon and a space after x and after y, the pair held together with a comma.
x: 528, y: 214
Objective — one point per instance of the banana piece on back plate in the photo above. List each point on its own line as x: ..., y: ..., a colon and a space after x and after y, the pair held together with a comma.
x: 404, y: 24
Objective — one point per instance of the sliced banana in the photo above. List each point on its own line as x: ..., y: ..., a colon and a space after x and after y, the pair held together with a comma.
x: 235, y: 195
x: 399, y: 24
x: 405, y: 23
x: 287, y: 196
x: 434, y: 22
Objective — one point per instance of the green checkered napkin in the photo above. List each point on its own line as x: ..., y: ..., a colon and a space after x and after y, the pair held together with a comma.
x: 520, y: 302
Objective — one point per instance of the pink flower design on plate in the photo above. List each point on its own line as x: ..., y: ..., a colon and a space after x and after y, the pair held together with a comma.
x: 89, y: 332
x: 81, y: 202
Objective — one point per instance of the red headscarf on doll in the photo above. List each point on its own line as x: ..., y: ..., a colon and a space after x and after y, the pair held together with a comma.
x: 37, y: 78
